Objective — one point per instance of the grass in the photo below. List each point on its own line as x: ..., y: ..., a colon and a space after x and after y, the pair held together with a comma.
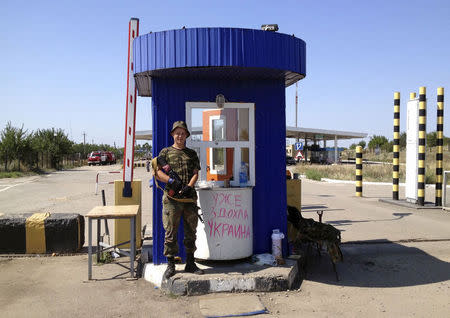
x: 313, y: 174
x: 105, y: 258
x: 26, y: 171
x: 12, y: 174
x: 372, y: 172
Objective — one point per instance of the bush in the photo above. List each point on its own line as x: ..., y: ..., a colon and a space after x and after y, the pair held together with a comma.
x: 313, y: 174
x: 13, y: 174
x: 430, y: 177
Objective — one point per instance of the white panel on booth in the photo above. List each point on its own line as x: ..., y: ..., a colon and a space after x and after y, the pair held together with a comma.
x: 412, y: 150
x: 227, y: 233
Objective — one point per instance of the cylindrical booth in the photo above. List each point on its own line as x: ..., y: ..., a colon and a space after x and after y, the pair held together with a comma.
x: 227, y: 229
x: 228, y: 84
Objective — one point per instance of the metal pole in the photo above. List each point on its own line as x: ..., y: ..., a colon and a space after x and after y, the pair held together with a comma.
x: 335, y: 149
x: 106, y: 221
x: 98, y: 240
x: 133, y: 244
x: 396, y: 154
x: 440, y: 144
x: 359, y: 176
x: 422, y: 143
x: 90, y: 248
x: 296, y: 102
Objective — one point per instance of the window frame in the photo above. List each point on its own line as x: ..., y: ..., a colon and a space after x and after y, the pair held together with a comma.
x: 224, y: 151
x: 237, y: 145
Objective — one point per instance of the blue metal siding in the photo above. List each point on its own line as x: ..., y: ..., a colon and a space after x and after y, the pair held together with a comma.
x: 206, y: 47
x: 269, y: 193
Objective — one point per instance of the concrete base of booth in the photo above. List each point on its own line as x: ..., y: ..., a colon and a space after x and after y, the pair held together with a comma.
x: 234, y: 277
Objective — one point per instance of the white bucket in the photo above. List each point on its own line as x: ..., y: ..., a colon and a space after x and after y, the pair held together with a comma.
x: 277, y: 236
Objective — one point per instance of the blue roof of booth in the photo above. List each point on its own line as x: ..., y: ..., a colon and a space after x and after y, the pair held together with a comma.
x: 213, y: 52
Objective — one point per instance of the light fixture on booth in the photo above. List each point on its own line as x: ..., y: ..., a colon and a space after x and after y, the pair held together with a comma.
x: 220, y: 100
x: 269, y: 27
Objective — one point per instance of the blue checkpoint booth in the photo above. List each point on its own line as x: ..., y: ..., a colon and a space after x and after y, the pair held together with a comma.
x: 180, y: 69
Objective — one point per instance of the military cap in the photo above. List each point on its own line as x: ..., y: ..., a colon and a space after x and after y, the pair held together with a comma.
x: 180, y: 124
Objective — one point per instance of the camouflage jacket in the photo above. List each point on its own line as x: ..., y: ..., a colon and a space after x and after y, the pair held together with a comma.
x: 183, y: 161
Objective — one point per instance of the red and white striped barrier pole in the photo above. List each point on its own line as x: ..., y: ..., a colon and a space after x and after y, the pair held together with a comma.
x: 128, y: 156
x: 108, y: 182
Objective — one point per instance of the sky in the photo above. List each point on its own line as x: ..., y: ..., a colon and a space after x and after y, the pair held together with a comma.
x: 63, y: 63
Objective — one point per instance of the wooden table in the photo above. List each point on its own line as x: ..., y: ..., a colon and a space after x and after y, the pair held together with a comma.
x: 319, y: 209
x: 113, y: 212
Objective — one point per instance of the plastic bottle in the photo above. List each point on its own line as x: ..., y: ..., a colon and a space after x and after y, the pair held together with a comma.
x: 277, y: 236
x: 243, y: 175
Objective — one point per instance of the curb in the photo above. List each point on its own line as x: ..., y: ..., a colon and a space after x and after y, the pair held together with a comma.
x: 39, y: 233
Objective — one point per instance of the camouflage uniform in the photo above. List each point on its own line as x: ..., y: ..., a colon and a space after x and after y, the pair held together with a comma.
x: 183, y: 162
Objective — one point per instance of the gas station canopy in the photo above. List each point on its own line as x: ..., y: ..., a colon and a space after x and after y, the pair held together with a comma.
x: 291, y: 132
x: 321, y: 134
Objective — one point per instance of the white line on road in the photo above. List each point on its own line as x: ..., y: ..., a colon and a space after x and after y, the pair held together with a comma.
x: 15, y: 185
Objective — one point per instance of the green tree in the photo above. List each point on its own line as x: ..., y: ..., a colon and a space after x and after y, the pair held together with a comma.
x: 447, y: 142
x: 432, y: 139
x: 21, y: 144
x: 3, y: 156
x: 147, y: 148
x: 362, y: 143
x: 352, y: 146
x: 13, y: 144
x: 377, y: 141
x: 388, y: 146
x: 403, y: 140
x: 55, y: 142
x: 29, y: 155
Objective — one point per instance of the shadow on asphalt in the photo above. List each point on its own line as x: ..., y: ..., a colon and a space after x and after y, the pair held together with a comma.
x: 386, y: 264
x: 397, y: 216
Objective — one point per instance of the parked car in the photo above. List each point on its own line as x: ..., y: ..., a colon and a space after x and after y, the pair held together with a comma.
x: 290, y: 161
x: 101, y: 158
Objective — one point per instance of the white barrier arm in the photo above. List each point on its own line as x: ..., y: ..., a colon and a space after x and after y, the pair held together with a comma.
x: 107, y: 182
x: 128, y: 158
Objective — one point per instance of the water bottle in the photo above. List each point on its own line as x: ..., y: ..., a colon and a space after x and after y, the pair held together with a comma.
x: 243, y: 175
x: 277, y: 236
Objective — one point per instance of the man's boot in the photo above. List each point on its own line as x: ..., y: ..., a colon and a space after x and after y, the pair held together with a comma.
x: 191, y: 267
x: 170, y: 270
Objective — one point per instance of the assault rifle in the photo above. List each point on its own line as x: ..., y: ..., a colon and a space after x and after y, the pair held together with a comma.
x: 177, y: 189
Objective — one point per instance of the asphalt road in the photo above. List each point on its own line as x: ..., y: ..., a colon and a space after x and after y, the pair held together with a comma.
x: 396, y: 259
x: 69, y: 191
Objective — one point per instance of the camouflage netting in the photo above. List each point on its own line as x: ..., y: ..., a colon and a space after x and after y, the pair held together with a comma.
x: 301, y: 230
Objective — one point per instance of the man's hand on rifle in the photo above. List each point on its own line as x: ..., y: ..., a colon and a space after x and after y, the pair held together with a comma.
x: 175, y: 184
x: 187, y: 191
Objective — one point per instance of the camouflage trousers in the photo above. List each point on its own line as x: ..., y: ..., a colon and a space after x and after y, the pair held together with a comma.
x: 172, y: 212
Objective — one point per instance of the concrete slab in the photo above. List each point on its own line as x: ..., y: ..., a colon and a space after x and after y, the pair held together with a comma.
x: 243, y: 305
x: 229, y: 277
x: 406, y: 204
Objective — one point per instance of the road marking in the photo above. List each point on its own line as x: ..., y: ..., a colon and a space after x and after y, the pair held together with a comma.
x: 15, y: 185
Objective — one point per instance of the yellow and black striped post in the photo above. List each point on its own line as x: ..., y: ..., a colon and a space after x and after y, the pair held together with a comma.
x: 396, y: 154
x: 422, y: 138
x: 359, y: 171
x: 440, y: 144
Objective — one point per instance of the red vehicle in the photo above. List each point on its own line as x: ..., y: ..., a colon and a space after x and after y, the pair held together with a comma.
x: 101, y: 158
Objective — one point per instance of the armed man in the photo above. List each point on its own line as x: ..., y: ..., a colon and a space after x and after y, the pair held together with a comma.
x: 178, y: 167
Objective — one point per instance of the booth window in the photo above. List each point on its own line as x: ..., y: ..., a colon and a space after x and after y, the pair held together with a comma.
x: 217, y: 156
x: 224, y: 139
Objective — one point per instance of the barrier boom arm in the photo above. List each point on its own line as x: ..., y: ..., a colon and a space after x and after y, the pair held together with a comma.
x: 130, y: 119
